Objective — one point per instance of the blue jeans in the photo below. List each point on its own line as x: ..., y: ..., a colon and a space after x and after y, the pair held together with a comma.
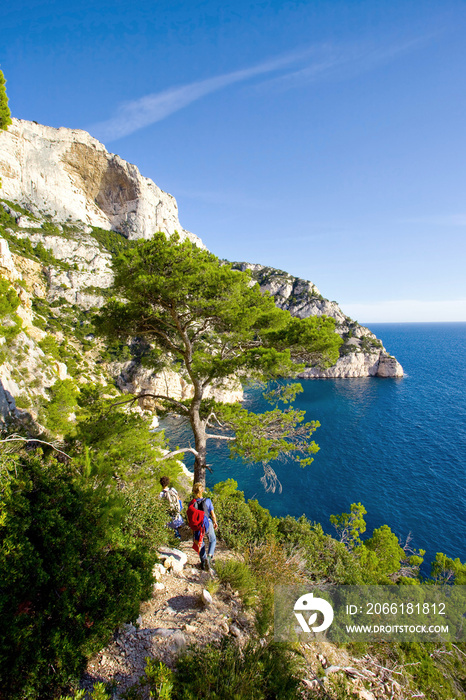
x: 210, y: 533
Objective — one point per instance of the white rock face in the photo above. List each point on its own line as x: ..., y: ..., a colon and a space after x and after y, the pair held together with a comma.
x: 134, y: 379
x: 357, y: 365
x: 69, y: 175
x: 389, y: 367
x: 91, y: 271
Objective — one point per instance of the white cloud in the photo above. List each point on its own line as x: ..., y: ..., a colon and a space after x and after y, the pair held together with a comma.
x: 134, y: 115
x: 407, y: 310
x: 344, y: 61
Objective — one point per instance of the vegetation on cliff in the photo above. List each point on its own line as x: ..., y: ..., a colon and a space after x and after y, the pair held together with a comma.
x: 79, y: 530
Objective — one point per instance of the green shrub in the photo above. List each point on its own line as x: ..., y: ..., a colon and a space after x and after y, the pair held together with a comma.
x: 49, y: 346
x: 256, y: 672
x: 63, y: 401
x: 326, y: 559
x: 157, y: 679
x: 146, y: 516
x: 66, y: 581
x: 6, y: 220
x: 99, y: 692
x: 9, y: 302
x: 111, y: 240
x: 241, y: 523
x: 50, y: 228
x: 240, y: 578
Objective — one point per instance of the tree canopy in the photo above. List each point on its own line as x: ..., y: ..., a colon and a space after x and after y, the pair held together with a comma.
x: 5, y: 115
x: 211, y: 323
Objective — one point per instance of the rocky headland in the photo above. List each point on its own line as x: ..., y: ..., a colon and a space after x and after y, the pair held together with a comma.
x: 362, y: 354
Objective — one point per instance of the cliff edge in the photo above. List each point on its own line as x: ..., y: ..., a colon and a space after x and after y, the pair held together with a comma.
x: 66, y: 174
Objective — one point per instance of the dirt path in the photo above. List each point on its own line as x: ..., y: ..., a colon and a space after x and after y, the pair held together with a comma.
x: 173, y: 618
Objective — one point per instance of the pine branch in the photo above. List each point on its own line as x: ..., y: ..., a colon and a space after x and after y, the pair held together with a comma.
x: 17, y: 438
x: 160, y: 397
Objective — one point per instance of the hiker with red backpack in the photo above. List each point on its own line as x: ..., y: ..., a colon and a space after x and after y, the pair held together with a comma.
x: 171, y: 494
x: 203, y: 522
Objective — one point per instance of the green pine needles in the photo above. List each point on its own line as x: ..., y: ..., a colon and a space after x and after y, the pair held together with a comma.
x: 5, y: 114
x: 214, y: 325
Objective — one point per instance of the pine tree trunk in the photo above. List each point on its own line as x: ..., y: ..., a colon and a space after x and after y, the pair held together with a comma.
x: 200, y: 440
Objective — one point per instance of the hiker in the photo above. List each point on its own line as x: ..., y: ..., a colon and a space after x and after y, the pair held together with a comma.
x: 203, y: 522
x: 171, y: 494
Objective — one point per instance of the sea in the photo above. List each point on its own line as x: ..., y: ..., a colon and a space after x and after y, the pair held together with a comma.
x: 398, y: 446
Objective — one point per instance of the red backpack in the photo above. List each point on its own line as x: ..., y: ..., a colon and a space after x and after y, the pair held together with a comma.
x: 195, y: 515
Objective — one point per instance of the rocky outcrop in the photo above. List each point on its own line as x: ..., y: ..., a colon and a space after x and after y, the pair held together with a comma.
x: 389, y: 367
x: 7, y: 264
x: 361, y: 355
x: 131, y: 378
x: 66, y: 175
x: 357, y: 365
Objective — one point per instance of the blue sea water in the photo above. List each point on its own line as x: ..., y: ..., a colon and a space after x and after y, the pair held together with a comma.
x: 398, y: 446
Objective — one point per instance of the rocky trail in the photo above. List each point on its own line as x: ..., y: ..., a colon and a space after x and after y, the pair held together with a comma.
x: 180, y: 612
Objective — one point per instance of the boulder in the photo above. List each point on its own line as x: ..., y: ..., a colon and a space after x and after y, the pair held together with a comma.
x: 176, y: 554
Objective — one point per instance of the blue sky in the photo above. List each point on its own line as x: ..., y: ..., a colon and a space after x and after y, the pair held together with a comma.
x: 323, y: 138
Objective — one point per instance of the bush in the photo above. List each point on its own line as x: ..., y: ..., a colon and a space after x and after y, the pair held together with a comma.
x: 67, y: 583
x: 146, y: 517
x: 239, y: 577
x: 63, y: 401
x: 326, y: 559
x: 241, y: 523
x: 111, y: 240
x: 256, y: 672
x: 49, y: 346
x: 9, y: 302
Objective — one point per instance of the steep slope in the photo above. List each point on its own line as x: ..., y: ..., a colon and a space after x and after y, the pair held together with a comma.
x: 55, y: 276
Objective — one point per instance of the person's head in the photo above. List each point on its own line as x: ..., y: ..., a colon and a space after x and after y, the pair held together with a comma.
x: 198, y: 489
x: 164, y: 481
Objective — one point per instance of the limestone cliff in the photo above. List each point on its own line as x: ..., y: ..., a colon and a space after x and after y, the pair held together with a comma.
x: 68, y: 175
x: 361, y: 355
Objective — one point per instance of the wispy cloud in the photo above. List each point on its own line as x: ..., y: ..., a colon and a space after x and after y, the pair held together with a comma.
x: 134, y: 115
x: 315, y: 62
x: 344, y: 62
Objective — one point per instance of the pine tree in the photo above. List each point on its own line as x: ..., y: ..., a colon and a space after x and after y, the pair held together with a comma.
x: 5, y: 114
x: 212, y: 323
